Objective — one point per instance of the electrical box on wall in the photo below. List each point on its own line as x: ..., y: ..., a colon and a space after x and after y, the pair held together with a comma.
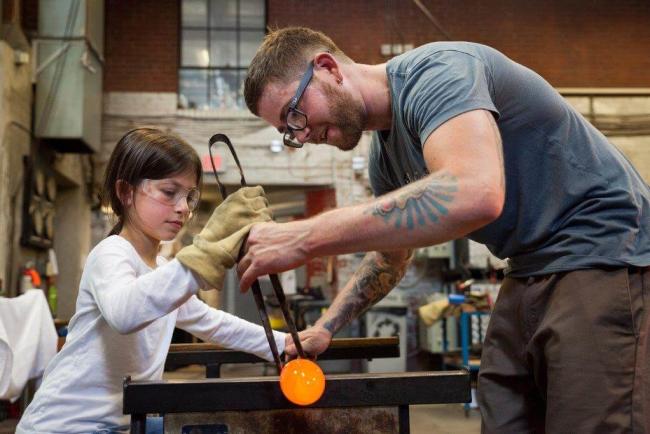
x: 68, y: 73
x: 385, y: 319
x: 441, y: 337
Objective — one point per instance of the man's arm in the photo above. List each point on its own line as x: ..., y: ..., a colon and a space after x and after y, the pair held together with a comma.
x: 375, y: 277
x: 464, y: 191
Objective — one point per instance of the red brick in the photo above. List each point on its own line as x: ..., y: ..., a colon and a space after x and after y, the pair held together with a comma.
x: 571, y: 44
x: 581, y: 44
x: 141, y: 45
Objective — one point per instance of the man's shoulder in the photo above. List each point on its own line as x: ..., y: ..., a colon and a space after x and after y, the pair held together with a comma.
x: 435, y: 50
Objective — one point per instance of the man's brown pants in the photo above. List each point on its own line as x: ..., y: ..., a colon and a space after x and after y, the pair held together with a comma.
x: 568, y: 353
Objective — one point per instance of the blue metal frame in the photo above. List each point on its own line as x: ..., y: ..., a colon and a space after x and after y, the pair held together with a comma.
x: 465, y: 330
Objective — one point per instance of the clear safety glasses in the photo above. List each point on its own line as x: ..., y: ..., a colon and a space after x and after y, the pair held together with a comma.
x: 168, y: 192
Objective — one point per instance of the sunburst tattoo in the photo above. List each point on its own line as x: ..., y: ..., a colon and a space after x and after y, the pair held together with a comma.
x: 423, y: 202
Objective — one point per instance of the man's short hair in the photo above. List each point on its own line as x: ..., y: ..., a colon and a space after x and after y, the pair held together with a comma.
x: 283, y: 57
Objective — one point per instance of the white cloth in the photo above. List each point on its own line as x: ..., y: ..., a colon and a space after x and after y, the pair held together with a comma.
x: 27, y: 341
x: 123, y: 325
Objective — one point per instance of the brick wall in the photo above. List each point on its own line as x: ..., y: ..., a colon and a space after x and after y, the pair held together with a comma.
x: 572, y: 44
x: 142, y: 46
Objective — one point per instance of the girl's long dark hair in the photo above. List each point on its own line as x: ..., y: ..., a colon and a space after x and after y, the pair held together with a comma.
x: 145, y: 153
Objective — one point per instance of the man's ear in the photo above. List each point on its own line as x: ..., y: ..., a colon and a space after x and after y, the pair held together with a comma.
x: 326, y: 62
x: 124, y: 192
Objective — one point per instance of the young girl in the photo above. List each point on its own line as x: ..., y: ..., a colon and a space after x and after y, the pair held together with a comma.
x: 130, y: 299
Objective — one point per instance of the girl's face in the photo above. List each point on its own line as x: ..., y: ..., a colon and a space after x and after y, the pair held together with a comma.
x: 162, y: 206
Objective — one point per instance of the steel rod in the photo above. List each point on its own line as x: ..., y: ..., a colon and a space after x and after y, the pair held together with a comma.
x: 261, y: 308
x: 282, y: 300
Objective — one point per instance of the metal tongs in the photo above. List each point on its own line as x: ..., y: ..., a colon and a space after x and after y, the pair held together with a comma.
x: 275, y: 281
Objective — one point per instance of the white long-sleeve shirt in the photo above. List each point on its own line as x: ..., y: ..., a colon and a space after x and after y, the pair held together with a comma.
x: 125, y: 316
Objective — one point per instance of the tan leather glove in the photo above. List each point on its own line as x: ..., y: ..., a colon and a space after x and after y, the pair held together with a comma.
x: 217, y: 246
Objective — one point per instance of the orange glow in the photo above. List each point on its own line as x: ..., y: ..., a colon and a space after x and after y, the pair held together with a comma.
x: 302, y: 381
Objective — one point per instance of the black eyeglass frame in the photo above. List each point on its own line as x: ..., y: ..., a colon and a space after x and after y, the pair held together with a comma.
x: 289, y: 134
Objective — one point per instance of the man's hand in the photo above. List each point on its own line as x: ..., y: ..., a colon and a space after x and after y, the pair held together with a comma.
x: 272, y: 248
x: 314, y: 341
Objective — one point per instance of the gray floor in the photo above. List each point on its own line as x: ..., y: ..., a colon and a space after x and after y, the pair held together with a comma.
x: 429, y: 419
x: 444, y: 419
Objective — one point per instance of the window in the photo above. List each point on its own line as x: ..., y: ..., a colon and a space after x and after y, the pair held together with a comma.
x: 218, y: 40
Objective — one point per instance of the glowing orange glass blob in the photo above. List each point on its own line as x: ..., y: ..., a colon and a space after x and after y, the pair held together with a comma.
x: 302, y: 381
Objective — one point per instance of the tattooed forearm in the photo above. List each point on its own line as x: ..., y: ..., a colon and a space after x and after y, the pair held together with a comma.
x: 374, y: 278
x: 422, y: 202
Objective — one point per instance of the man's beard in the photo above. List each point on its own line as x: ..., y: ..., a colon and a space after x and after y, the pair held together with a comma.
x: 348, y: 116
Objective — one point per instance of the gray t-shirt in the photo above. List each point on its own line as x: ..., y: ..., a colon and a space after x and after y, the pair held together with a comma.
x: 572, y: 199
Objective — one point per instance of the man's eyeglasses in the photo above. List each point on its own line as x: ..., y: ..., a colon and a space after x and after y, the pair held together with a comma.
x: 167, y: 193
x: 297, y: 120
